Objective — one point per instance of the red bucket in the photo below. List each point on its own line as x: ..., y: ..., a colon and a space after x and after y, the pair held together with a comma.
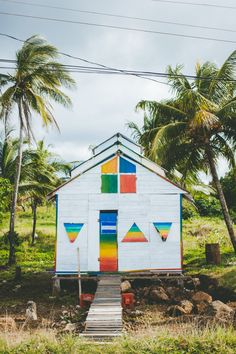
x: 128, y: 300
x: 86, y: 299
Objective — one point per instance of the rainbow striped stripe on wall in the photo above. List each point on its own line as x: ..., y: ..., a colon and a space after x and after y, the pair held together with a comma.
x: 108, y: 242
x: 73, y: 230
x: 163, y: 228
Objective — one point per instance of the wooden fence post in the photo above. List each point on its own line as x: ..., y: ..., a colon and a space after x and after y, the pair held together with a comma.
x: 213, y: 253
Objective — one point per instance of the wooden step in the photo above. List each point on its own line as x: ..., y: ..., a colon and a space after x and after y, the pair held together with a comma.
x: 104, y: 319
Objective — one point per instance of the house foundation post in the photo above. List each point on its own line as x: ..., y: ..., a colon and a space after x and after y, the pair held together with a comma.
x: 56, y: 286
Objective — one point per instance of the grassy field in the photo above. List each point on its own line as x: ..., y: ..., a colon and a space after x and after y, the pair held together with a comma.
x: 196, y: 232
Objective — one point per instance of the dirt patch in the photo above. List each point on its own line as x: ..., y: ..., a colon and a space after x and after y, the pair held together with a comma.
x: 59, y: 313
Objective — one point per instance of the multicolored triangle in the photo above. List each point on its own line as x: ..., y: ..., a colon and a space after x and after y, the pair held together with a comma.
x: 134, y: 235
x: 163, y: 228
x: 73, y: 230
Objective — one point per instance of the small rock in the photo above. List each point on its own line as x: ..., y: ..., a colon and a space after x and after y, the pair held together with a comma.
x: 64, y: 313
x: 159, y: 295
x: 196, y: 283
x: 31, y: 311
x: 138, y: 313
x: 201, y: 296
x: 70, y: 327
x: 176, y: 310
x: 77, y: 307
x: 125, y: 286
x: 187, y: 306
x: 201, y: 307
x: 63, y: 322
x: 221, y: 311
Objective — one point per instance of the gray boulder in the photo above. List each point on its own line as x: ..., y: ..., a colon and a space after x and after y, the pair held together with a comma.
x: 221, y: 311
x: 187, y: 306
x: 159, y: 295
x: 201, y: 296
x: 125, y: 286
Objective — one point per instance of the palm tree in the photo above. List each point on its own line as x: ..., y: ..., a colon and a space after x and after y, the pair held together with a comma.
x: 42, y: 168
x: 8, y: 156
x: 197, y: 126
x: 37, y: 81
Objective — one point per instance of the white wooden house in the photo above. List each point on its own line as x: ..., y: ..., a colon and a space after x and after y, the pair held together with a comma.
x: 121, y: 211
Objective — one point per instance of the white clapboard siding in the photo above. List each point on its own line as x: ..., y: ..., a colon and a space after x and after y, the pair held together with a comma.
x: 156, y: 200
x: 93, y: 241
x: 66, y: 253
x: 165, y: 254
x: 147, y: 182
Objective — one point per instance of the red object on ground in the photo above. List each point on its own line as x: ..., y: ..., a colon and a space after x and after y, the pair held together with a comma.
x: 86, y: 299
x: 128, y: 300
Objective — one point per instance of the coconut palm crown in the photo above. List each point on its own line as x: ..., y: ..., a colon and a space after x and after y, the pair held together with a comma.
x: 196, y: 126
x: 31, y: 89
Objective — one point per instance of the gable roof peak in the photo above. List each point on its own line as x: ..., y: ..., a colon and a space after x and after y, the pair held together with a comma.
x: 117, y: 139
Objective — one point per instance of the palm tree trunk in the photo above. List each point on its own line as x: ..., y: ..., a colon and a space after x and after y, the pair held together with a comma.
x: 11, y: 236
x: 34, y: 210
x: 221, y: 196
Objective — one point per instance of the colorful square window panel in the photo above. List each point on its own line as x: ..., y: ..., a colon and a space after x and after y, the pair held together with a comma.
x: 118, y: 175
x: 110, y: 166
x: 134, y: 235
x: 126, y: 166
x: 73, y: 230
x: 163, y: 228
x: 127, y: 183
x: 109, y: 184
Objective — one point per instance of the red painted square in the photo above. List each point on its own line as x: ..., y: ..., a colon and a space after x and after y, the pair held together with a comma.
x: 128, y: 183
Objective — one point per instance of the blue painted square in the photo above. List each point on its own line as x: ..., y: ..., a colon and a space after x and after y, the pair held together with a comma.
x: 126, y: 166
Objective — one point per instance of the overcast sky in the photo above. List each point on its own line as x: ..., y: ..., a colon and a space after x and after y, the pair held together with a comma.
x: 102, y: 105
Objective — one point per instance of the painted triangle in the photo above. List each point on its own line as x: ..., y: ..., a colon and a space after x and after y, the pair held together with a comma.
x: 134, y: 235
x: 163, y: 228
x: 73, y: 230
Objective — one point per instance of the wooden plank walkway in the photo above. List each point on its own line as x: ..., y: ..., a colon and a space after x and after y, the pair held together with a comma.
x: 104, y: 320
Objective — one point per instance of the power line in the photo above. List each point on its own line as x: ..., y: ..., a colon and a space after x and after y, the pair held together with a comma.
x: 95, y: 70
x: 117, y: 27
x: 196, y: 4
x: 86, y: 60
x: 120, y: 16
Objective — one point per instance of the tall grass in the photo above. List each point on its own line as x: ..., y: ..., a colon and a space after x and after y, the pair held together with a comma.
x: 218, y: 340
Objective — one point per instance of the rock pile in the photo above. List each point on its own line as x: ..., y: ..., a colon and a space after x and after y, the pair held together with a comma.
x: 186, y: 296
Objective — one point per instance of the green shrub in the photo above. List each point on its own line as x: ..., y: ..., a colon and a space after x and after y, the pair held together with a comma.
x: 207, y: 205
x: 189, y: 210
x: 5, y: 196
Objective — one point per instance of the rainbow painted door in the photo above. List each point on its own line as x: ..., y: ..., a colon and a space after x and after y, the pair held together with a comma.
x: 108, y: 241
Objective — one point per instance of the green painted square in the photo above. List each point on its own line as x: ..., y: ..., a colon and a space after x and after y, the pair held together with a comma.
x: 109, y: 184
